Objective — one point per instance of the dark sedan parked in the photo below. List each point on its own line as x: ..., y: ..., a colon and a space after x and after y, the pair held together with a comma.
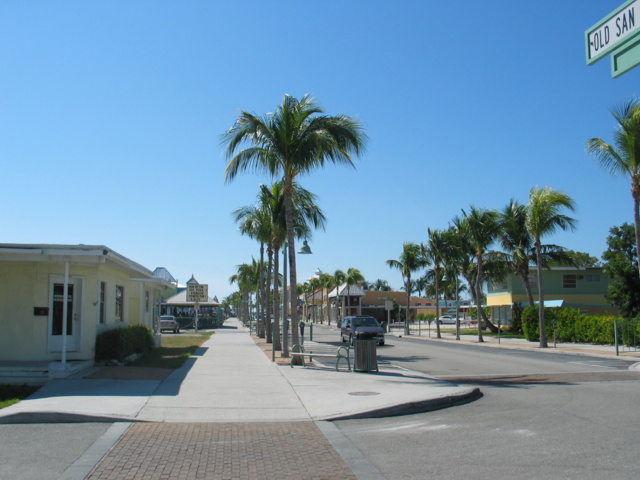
x: 361, y: 326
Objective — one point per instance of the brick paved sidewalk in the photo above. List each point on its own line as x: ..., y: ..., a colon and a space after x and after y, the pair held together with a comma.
x: 222, y: 451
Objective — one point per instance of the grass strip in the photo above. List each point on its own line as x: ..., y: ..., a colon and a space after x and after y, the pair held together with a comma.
x: 10, y: 394
x: 175, y: 350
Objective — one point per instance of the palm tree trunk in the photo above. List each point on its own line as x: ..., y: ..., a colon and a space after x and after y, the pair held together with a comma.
x: 543, y: 336
x: 276, y: 298
x: 293, y: 278
x: 479, y: 297
x: 438, y: 335
x: 527, y: 288
x: 406, y: 317
x: 268, y: 299
x: 260, y: 297
x: 635, y: 191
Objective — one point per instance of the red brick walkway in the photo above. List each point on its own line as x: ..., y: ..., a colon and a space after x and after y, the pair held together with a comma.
x: 222, y: 451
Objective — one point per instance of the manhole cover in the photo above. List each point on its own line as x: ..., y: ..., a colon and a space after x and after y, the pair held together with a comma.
x: 364, y: 394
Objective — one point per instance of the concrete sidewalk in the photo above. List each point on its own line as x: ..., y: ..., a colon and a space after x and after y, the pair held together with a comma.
x: 624, y: 353
x: 230, y: 379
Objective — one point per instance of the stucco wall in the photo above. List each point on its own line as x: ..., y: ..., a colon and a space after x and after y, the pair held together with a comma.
x: 25, y: 285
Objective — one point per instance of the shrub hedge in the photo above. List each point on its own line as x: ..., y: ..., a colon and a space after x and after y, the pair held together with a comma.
x: 573, y: 326
x: 119, y: 343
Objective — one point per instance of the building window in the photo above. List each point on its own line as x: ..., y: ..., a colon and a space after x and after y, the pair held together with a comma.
x: 146, y: 301
x: 101, y: 302
x: 119, y: 303
x: 569, y: 281
x: 593, y: 278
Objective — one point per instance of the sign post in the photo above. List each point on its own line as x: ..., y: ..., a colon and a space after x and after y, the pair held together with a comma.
x: 197, y: 293
x: 618, y: 35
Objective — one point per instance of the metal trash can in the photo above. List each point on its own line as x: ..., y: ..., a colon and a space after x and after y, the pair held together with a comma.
x: 365, y: 356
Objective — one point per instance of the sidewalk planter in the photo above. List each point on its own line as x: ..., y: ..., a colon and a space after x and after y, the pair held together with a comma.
x: 365, y: 356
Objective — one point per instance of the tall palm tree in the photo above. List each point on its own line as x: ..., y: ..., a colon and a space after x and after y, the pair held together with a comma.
x: 306, y: 214
x: 254, y: 222
x: 544, y: 218
x: 326, y: 280
x: 435, y: 254
x: 517, y: 242
x: 314, y: 285
x: 292, y: 141
x: 246, y: 279
x: 410, y: 260
x: 352, y: 278
x: 338, y: 280
x: 482, y: 228
x: 623, y: 158
x: 453, y: 258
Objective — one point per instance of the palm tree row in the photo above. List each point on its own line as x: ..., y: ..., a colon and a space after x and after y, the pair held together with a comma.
x: 326, y: 283
x: 465, y: 249
x: 294, y: 140
x: 265, y: 221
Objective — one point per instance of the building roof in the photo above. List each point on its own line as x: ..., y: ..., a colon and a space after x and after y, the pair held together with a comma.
x: 163, y: 273
x: 341, y: 291
x: 180, y: 298
x: 75, y: 254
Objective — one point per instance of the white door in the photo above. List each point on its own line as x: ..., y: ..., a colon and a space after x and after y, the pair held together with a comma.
x: 73, y: 323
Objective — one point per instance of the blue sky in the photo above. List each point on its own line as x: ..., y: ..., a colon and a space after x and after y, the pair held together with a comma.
x: 111, y: 115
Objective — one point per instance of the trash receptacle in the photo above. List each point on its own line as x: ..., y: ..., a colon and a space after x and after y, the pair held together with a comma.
x: 365, y: 356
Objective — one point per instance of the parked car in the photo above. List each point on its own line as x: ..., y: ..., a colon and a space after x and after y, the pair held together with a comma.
x: 447, y: 319
x: 361, y: 326
x: 169, y: 322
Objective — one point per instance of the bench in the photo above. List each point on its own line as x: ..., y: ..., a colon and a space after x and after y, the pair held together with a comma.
x: 341, y: 353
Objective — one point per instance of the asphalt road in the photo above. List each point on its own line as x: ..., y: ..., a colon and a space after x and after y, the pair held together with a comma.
x: 543, y: 415
x: 44, y: 451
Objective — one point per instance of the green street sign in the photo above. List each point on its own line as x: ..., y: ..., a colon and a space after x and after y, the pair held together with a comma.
x: 617, y: 34
x: 625, y: 58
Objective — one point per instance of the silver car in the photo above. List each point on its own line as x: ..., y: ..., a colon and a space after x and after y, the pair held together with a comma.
x: 169, y: 322
x: 447, y: 319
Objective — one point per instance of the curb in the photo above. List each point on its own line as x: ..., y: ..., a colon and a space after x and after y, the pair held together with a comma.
x: 412, y: 408
x: 25, y: 418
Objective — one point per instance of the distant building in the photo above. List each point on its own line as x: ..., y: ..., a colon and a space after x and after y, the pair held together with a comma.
x: 580, y: 288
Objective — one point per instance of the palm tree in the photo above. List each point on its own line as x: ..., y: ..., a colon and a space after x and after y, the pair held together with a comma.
x: 338, y: 280
x: 380, y: 285
x: 435, y: 254
x: 326, y: 280
x: 624, y: 157
x: 246, y: 279
x: 516, y: 240
x: 352, y: 278
x: 411, y: 260
x: 306, y: 213
x: 453, y: 258
x: 254, y: 222
x: 544, y: 218
x: 314, y: 285
x: 294, y: 140
x: 482, y: 228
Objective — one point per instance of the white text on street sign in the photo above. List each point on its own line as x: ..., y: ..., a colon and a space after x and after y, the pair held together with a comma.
x: 612, y: 31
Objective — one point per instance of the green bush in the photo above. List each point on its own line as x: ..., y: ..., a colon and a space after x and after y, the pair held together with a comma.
x: 516, y: 319
x: 531, y: 324
x: 119, y: 343
x: 573, y: 326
